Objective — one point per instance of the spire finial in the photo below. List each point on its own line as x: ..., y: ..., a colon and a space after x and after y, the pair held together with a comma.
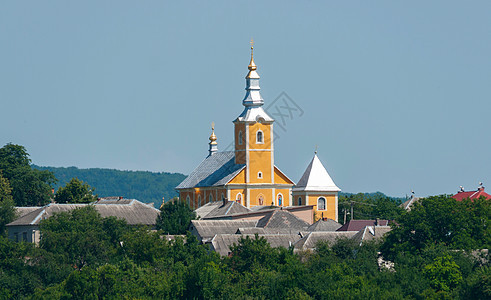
x: 213, y: 137
x: 252, y: 65
x: 315, y: 152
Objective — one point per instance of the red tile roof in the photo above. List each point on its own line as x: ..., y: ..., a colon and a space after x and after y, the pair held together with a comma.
x: 471, y: 195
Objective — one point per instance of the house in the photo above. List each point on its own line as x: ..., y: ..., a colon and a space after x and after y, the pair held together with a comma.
x: 248, y: 174
x: 357, y: 225
x: 134, y: 212
x: 461, y: 194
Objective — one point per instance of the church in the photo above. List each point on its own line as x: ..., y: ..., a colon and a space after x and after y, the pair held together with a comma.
x: 248, y: 174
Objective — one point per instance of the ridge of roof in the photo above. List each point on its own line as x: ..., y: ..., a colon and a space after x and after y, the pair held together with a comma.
x: 316, y: 178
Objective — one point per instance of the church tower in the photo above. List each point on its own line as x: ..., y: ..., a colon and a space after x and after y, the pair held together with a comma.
x: 254, y: 147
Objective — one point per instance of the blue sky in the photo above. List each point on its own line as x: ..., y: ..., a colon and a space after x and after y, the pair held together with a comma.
x: 395, y: 94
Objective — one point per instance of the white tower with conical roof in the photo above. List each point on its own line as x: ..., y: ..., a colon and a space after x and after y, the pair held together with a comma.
x: 317, y: 188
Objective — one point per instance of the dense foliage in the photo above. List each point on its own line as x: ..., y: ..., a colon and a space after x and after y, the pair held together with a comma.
x: 75, y: 191
x: 175, y: 217
x: 30, y: 187
x: 84, y: 256
x: 368, y: 206
x: 7, y: 208
x: 144, y: 186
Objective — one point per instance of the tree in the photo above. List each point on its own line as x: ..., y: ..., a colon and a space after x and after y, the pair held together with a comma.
x: 7, y: 208
x: 75, y: 191
x: 441, y: 220
x: 82, y: 236
x: 29, y: 187
x: 175, y: 217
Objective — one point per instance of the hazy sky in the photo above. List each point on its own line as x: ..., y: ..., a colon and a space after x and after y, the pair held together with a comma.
x: 396, y: 94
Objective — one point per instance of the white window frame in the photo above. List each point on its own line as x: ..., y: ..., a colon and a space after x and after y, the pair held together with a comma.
x: 240, y: 137
x: 325, y: 203
x: 260, y: 175
x: 277, y: 199
x: 262, y: 137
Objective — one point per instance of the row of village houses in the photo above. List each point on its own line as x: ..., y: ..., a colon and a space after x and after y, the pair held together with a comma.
x: 221, y: 224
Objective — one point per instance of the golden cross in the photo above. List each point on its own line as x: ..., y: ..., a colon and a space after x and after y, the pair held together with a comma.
x: 252, y: 43
x: 316, y: 146
x: 212, y: 125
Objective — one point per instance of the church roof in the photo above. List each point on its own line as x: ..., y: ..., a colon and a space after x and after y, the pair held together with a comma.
x: 316, y: 178
x: 220, y: 209
x: 216, y: 170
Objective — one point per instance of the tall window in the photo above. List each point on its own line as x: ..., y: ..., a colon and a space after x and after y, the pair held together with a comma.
x: 188, y: 201
x: 210, y: 198
x: 259, y: 137
x: 321, y: 203
x: 240, y: 138
x: 299, y: 201
x: 238, y: 198
x: 199, y: 200
x: 260, y: 199
x: 280, y: 199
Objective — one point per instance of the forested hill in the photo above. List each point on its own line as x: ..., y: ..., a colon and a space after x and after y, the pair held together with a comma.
x: 142, y: 185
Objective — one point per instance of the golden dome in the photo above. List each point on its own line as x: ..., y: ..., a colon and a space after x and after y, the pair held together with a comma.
x: 213, y: 137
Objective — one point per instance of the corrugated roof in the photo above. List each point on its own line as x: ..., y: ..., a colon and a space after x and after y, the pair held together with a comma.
x: 357, y: 225
x: 370, y: 233
x: 221, y: 243
x: 133, y: 211
x: 206, y: 229
x: 316, y: 178
x: 311, y: 239
x: 229, y: 208
x: 324, y: 225
x: 216, y: 170
x: 282, y: 219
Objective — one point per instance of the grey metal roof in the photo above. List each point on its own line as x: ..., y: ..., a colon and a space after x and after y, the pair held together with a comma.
x: 357, y: 225
x: 327, y: 225
x: 22, y: 211
x: 309, y: 241
x: 282, y: 219
x: 216, y: 170
x: 131, y: 210
x: 370, y: 233
x: 221, y: 243
x: 206, y: 229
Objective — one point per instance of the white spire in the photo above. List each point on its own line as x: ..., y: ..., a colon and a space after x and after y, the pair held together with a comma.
x: 316, y: 179
x: 253, y: 101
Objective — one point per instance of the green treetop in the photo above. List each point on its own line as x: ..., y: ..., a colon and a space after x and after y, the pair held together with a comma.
x: 75, y: 191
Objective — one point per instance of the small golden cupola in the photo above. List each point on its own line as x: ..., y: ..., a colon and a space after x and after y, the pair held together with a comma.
x: 213, y: 141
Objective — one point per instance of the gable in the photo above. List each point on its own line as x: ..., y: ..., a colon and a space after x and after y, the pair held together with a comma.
x: 281, y: 178
x: 239, y: 178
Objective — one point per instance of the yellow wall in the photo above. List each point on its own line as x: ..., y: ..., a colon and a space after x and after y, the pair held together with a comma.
x: 260, y: 161
x: 233, y: 195
x: 254, y: 193
x: 280, y: 178
x: 329, y: 212
x: 286, y: 196
x: 266, y: 129
x: 239, y: 178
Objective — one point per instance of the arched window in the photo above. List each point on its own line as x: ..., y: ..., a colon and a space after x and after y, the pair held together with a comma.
x: 240, y: 138
x: 238, y: 198
x: 259, y: 174
x: 280, y: 200
x: 321, y: 203
x: 210, y: 198
x: 199, y: 200
x: 259, y: 137
x: 260, y: 199
x: 299, y: 201
x: 188, y: 201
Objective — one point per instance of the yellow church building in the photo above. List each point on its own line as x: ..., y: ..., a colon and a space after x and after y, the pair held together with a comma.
x: 248, y: 174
